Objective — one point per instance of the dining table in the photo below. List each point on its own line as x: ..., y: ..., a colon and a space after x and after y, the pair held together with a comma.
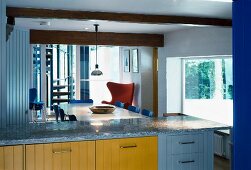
x: 83, y: 113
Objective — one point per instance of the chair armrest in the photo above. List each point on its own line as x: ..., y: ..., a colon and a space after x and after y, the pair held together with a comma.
x: 40, y: 102
x: 37, y: 103
x: 105, y: 102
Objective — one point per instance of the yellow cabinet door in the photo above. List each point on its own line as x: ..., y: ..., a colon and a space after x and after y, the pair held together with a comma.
x: 11, y: 158
x: 127, y: 154
x: 61, y: 156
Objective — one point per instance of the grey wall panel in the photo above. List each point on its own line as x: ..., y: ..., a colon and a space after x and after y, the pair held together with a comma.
x: 18, y: 82
x: 199, y: 41
x: 3, y: 78
x: 14, y: 73
x: 28, y: 70
x: 1, y: 56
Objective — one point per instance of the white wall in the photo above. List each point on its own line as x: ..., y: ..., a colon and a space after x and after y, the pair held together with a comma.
x: 129, y: 77
x: 3, y: 78
x: 198, y: 41
x: 108, y: 59
x: 143, y: 93
x: 210, y: 109
x: 174, y: 85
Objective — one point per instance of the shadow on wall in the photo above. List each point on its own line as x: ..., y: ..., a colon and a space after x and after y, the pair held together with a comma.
x: 136, y: 95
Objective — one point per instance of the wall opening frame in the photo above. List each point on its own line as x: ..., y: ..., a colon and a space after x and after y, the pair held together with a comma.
x: 126, y: 60
x: 135, y: 61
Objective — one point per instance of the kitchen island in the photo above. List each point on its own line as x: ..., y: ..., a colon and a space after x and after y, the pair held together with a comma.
x: 181, y: 142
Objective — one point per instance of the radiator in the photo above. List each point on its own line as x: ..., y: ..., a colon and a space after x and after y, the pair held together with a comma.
x: 218, y: 145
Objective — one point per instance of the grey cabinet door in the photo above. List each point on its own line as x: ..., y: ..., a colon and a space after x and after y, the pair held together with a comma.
x: 188, y: 151
x: 192, y: 143
x: 185, y: 162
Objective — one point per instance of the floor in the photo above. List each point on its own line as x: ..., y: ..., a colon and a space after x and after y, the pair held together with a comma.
x: 221, y: 163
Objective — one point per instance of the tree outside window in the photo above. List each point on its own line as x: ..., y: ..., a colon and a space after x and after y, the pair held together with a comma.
x: 208, y: 79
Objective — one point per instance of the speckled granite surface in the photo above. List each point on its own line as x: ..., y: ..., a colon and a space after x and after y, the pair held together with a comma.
x: 86, y: 130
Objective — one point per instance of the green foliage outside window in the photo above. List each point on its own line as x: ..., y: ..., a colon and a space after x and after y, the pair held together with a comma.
x: 201, y: 81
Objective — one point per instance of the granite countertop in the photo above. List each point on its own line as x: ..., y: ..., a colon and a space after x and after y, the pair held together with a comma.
x: 94, y: 130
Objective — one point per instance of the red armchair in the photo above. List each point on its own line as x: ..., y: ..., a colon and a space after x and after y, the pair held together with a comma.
x: 120, y: 92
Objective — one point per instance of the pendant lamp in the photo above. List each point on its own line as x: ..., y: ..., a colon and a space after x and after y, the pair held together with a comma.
x: 96, y: 71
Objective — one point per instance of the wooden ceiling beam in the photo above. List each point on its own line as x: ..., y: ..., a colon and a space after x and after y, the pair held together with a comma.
x: 88, y: 38
x: 111, y: 16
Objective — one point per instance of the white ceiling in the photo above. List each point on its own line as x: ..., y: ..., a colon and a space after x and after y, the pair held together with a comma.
x: 204, y: 8
x: 105, y: 26
x: 201, y: 8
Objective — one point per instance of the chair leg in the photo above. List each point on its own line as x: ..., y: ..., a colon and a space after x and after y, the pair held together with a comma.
x: 44, y: 114
x: 34, y: 114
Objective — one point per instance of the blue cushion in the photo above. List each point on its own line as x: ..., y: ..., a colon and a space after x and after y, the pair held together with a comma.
x: 76, y: 101
x: 119, y: 104
x: 147, y: 113
x: 88, y: 101
x: 134, y: 109
x: 81, y: 101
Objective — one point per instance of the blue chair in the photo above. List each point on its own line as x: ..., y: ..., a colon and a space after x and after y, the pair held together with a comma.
x: 33, y: 103
x: 88, y: 101
x: 119, y: 104
x: 134, y: 109
x: 63, y: 116
x: 56, y: 109
x: 147, y: 113
x: 81, y: 101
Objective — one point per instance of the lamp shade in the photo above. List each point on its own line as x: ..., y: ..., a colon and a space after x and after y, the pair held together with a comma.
x: 96, y: 72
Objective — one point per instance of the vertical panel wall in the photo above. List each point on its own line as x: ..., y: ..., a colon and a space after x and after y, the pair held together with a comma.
x: 3, y: 83
x: 18, y: 76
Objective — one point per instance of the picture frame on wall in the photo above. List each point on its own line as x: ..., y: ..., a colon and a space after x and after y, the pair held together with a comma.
x: 135, y: 61
x: 126, y: 61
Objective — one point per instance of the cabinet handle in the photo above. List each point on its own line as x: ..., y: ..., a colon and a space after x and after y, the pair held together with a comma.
x: 186, y: 143
x: 186, y: 162
x: 129, y: 146
x: 62, y: 151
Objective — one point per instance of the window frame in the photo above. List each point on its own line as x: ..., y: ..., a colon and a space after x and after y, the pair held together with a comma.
x: 183, y: 59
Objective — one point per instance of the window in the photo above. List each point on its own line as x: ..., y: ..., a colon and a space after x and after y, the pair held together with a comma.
x: 208, y: 79
x: 94, y: 87
x: 37, y: 70
x: 54, y: 65
x: 208, y: 88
